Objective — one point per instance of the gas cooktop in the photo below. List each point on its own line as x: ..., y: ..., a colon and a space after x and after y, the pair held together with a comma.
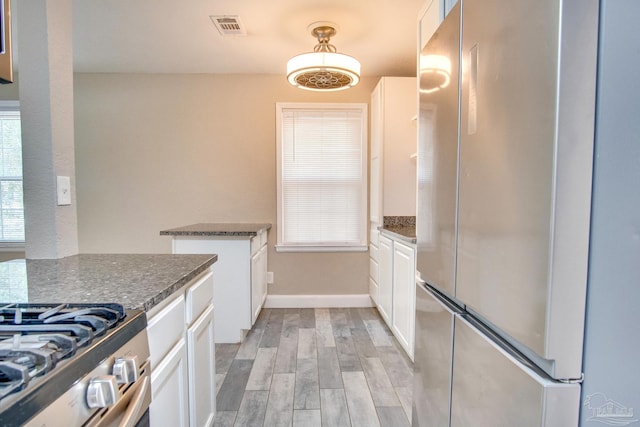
x: 46, y: 348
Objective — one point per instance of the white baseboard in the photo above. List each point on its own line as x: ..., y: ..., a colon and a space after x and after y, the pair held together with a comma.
x: 318, y: 301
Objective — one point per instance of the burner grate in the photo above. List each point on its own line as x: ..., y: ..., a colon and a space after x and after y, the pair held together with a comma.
x: 35, y: 337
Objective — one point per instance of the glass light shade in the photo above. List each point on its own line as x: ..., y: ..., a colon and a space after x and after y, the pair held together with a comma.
x: 323, y: 71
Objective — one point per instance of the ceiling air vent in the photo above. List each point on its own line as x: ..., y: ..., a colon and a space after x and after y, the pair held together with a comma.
x: 229, y: 25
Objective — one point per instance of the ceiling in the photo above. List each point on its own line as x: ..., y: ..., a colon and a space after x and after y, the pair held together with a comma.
x: 169, y: 36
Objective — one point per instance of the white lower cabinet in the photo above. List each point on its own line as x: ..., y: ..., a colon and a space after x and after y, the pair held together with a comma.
x: 169, y: 397
x: 258, y: 282
x: 403, y: 314
x: 396, y: 289
x: 181, y: 340
x: 201, y: 358
x: 241, y: 279
x: 374, y: 270
x: 385, y: 276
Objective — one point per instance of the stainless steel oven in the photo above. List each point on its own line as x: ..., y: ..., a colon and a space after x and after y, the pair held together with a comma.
x: 73, y: 365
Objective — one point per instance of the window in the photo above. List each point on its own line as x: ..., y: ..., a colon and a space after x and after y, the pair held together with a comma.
x: 11, y: 204
x: 322, y: 177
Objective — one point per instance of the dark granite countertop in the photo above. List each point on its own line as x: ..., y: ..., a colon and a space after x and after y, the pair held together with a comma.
x: 406, y: 233
x: 218, y: 229
x: 136, y: 281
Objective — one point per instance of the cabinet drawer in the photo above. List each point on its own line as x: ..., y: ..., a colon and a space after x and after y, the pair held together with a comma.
x: 263, y: 237
x: 373, y: 269
x: 165, y: 329
x: 255, y: 244
x: 199, y: 296
x: 374, y: 237
x: 373, y: 252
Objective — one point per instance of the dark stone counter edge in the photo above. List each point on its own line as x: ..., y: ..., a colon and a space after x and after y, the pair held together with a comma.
x: 251, y: 230
x: 209, y: 233
x: 406, y: 234
x: 169, y: 290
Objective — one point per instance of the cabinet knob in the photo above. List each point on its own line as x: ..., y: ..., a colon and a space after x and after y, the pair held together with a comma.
x: 102, y: 391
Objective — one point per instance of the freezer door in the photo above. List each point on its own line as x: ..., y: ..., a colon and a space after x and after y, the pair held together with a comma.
x: 432, y: 360
x: 526, y: 143
x: 438, y: 155
x: 491, y: 388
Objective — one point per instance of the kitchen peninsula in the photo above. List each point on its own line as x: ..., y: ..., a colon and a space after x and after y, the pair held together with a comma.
x: 241, y: 271
x: 136, y: 281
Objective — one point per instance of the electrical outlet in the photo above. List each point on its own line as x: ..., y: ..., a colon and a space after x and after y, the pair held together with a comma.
x: 269, y: 277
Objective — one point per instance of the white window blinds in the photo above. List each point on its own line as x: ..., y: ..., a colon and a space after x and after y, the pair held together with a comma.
x: 322, y: 183
x: 11, y: 204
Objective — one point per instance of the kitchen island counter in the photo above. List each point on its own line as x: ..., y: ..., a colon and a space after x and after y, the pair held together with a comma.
x: 137, y: 281
x: 240, y: 274
x: 221, y: 229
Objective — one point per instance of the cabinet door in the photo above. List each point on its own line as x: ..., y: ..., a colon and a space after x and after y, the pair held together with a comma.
x: 373, y: 290
x: 431, y: 17
x: 256, y: 291
x: 258, y: 282
x: 201, y: 356
x: 165, y: 328
x: 377, y: 130
x: 232, y: 276
x: 385, y: 275
x: 263, y: 276
x: 404, y: 268
x: 169, y: 404
x: 373, y: 274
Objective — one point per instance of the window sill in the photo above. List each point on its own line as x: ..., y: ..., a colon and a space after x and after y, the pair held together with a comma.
x: 11, y: 246
x: 289, y: 248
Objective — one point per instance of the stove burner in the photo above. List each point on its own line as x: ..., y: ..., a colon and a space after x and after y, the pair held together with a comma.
x: 14, y: 378
x: 35, y: 337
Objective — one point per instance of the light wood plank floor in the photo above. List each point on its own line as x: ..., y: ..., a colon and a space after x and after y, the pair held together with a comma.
x: 314, y: 367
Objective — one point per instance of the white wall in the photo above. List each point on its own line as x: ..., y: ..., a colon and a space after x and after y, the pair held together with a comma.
x: 161, y: 151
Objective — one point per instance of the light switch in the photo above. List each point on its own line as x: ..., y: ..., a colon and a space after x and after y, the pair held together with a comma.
x: 64, y: 191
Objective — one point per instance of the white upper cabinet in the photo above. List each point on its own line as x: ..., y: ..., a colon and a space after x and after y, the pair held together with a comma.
x: 394, y: 106
x: 432, y: 14
x: 429, y: 19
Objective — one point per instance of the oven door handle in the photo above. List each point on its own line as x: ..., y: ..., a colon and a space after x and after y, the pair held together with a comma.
x: 135, y: 407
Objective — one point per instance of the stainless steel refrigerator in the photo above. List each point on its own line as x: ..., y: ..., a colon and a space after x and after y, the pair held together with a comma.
x: 505, y: 163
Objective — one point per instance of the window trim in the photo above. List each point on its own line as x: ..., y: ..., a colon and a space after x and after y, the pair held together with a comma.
x: 12, y: 245
x: 362, y: 246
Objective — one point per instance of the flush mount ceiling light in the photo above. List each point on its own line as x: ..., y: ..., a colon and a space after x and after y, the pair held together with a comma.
x: 323, y: 69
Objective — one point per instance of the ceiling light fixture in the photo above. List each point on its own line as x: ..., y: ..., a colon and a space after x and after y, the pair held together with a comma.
x: 323, y: 69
